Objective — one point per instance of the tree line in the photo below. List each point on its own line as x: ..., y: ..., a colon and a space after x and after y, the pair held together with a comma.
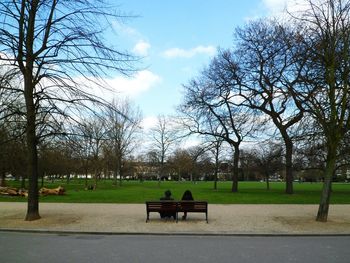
x: 291, y: 74
x: 285, y: 82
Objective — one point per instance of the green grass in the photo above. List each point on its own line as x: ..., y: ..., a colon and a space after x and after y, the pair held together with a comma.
x: 136, y: 192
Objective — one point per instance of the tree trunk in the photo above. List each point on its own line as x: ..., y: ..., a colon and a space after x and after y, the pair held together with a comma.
x: 86, y: 178
x: 267, y: 181
x: 96, y: 173
x: 289, y: 164
x: 160, y: 175
x: 33, y: 195
x: 115, y: 175
x: 120, y: 176
x: 235, y: 170
x: 42, y: 180
x: 161, y: 171
x: 216, y: 178
x: 216, y: 169
x: 119, y: 168
x: 23, y: 182
x: 2, y: 181
x: 323, y: 208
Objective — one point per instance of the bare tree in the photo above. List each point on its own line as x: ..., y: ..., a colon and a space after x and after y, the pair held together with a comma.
x: 268, y: 160
x: 216, y: 150
x: 325, y: 90
x: 51, y: 43
x: 92, y: 135
x: 165, y: 134
x: 182, y: 163
x: 195, y: 153
x: 123, y: 122
x: 265, y: 55
x: 211, y: 108
x: 4, y: 161
x: 55, y: 160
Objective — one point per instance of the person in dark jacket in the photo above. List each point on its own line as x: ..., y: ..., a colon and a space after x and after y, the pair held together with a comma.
x: 167, y: 196
x: 187, y: 196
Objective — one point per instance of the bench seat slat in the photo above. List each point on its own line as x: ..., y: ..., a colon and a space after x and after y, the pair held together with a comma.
x: 177, y: 206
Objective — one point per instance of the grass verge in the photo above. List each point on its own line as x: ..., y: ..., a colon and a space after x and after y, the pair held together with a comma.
x: 139, y: 192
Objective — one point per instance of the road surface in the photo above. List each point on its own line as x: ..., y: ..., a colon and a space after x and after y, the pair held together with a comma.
x: 36, y: 247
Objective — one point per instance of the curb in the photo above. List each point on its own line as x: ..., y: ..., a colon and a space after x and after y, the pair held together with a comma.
x: 66, y: 232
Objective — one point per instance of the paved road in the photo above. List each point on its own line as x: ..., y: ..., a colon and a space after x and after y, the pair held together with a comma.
x: 33, y: 247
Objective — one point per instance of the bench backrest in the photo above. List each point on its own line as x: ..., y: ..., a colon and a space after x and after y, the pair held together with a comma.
x: 166, y: 205
x: 170, y: 205
x: 193, y: 206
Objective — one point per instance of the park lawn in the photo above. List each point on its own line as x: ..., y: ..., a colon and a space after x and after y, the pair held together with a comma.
x: 139, y: 192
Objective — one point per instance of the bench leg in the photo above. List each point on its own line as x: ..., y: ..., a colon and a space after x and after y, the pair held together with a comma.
x: 147, y: 217
x: 206, y: 217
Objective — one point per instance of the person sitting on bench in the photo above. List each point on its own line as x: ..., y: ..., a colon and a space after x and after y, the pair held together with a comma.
x: 187, y: 196
x: 167, y: 196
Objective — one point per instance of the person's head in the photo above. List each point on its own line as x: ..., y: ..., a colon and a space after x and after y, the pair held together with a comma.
x: 167, y: 193
x: 187, y: 195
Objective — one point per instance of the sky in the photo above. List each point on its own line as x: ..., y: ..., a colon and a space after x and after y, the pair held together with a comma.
x: 177, y: 39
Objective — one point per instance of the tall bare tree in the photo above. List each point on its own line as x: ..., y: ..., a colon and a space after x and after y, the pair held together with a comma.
x: 51, y: 43
x: 325, y: 37
x: 265, y: 54
x: 216, y: 150
x: 123, y: 122
x: 88, y: 145
x: 268, y: 160
x: 211, y: 108
x: 164, y: 135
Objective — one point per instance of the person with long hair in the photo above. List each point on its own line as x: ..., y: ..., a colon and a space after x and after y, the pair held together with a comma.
x: 187, y: 196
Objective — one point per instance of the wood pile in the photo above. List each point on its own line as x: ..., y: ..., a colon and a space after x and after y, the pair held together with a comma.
x: 11, y: 191
x: 55, y: 191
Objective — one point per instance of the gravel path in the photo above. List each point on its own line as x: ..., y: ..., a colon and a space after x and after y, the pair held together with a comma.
x: 223, y: 219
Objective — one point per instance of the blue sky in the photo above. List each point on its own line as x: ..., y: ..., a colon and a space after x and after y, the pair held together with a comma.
x: 177, y: 39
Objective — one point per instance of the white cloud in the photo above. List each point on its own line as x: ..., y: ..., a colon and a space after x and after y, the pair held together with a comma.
x: 134, y: 86
x: 275, y: 5
x: 188, y: 53
x: 122, y: 28
x: 192, y: 141
x: 278, y: 7
x: 149, y: 122
x: 141, y: 48
x: 128, y: 87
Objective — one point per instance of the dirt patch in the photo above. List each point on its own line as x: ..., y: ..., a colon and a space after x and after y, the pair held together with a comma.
x: 310, y: 225
x: 47, y: 221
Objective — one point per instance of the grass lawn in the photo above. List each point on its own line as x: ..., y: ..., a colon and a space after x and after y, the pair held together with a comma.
x: 137, y: 192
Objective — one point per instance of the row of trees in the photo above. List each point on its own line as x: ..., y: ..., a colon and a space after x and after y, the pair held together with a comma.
x: 92, y: 150
x: 293, y: 76
x: 52, y: 52
x: 282, y: 81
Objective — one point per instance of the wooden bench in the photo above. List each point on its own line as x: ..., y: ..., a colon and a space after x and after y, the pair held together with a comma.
x: 165, y: 206
x: 193, y: 207
x: 170, y: 206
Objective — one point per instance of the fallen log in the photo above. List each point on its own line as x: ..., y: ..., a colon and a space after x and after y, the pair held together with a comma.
x: 11, y: 191
x: 55, y: 191
x: 23, y: 192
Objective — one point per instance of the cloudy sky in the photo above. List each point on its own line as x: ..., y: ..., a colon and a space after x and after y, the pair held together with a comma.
x: 176, y: 40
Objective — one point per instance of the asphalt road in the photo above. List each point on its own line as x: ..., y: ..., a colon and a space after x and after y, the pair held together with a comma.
x: 34, y: 247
